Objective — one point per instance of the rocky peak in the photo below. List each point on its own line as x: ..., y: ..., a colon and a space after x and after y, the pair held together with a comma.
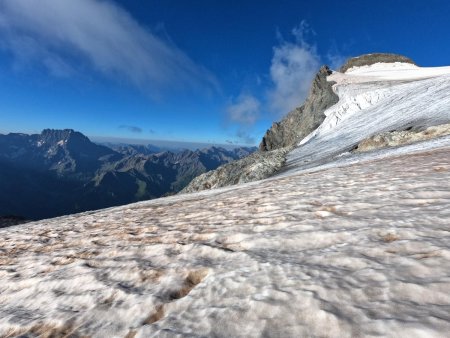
x: 370, y: 59
x: 53, y: 137
x: 301, y: 121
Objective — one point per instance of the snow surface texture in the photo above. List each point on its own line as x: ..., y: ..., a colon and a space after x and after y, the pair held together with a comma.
x: 372, y: 100
x: 338, y: 245
x: 362, y: 250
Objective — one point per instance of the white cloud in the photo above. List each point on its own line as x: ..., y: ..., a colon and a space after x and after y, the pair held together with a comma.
x: 293, y: 67
x: 107, y: 37
x: 244, y: 110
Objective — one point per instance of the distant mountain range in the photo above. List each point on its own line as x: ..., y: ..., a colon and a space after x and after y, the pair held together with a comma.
x: 60, y: 172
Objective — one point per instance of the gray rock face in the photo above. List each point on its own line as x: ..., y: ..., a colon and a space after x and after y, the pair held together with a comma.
x: 304, y: 119
x: 370, y: 59
x: 256, y: 166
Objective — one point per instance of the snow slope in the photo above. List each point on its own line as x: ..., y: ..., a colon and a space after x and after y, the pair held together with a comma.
x: 338, y: 245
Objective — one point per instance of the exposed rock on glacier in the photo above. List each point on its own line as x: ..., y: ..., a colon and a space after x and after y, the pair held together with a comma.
x: 399, y: 138
x: 256, y: 166
x: 370, y: 59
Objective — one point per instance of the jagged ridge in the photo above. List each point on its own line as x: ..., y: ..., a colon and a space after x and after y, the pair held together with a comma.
x: 302, y: 120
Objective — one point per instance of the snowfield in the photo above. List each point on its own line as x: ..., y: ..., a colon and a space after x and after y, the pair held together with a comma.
x: 361, y: 250
x: 337, y: 245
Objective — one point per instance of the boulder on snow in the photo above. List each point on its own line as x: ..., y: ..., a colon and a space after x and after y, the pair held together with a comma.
x: 401, y: 138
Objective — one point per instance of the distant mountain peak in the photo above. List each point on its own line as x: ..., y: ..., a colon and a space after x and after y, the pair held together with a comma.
x: 56, y: 135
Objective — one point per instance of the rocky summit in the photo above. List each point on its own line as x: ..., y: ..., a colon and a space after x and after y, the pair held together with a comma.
x: 370, y: 59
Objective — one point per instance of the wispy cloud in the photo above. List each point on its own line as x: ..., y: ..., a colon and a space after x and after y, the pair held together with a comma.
x: 293, y: 66
x: 60, y: 33
x: 132, y: 129
x: 294, y: 63
x: 244, y: 110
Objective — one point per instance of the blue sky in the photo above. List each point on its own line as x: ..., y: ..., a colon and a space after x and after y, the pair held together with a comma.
x: 198, y: 70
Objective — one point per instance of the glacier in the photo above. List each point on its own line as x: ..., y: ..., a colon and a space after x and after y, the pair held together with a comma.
x: 375, y: 99
x: 338, y: 244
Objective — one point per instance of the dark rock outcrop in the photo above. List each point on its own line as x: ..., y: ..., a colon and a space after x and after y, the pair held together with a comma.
x: 302, y: 120
x: 370, y: 59
x: 256, y: 166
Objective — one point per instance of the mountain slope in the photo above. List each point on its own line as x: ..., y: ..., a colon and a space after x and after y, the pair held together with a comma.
x: 60, y: 172
x: 65, y: 152
x: 276, y: 142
